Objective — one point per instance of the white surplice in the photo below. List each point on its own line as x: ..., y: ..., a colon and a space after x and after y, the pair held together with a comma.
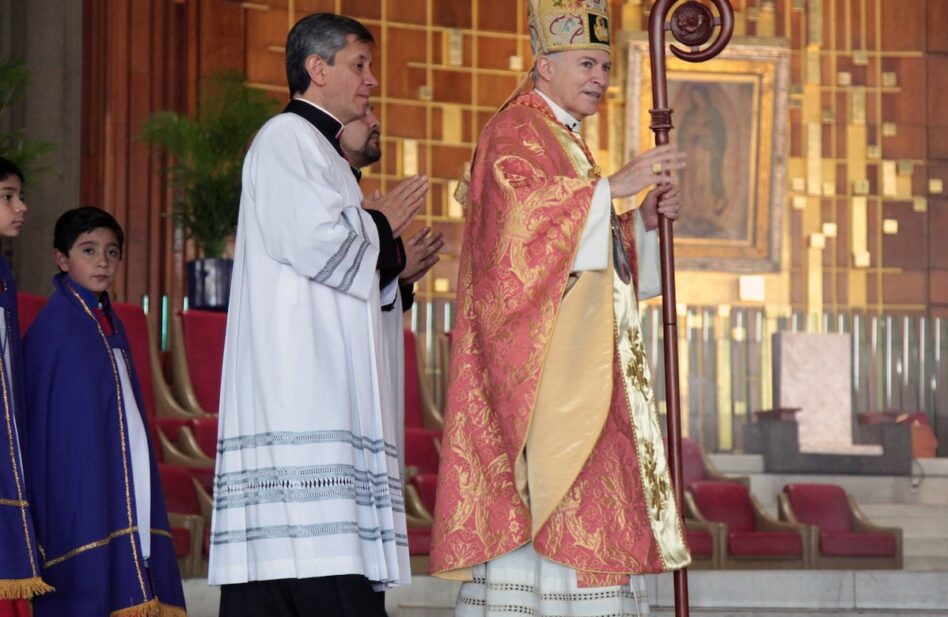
x: 307, y: 481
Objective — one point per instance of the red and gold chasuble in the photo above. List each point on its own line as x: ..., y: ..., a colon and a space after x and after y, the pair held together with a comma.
x: 551, y: 431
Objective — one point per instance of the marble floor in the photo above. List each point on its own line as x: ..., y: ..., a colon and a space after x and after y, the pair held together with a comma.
x: 919, y: 504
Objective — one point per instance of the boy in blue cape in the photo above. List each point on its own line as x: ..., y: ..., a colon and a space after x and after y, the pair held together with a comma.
x: 19, y: 558
x: 99, y: 511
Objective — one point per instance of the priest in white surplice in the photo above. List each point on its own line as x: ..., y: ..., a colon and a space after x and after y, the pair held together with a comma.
x: 308, y: 506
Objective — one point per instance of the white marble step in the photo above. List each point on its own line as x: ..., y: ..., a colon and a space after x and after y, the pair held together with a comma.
x: 786, y: 593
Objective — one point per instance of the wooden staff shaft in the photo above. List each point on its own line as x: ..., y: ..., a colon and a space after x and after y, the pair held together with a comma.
x: 661, y: 125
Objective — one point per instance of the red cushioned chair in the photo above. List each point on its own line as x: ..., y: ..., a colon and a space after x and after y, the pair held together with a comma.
x: 420, y: 410
x: 754, y: 540
x: 419, y: 545
x: 696, y: 466
x: 427, y: 486
x: 199, y: 439
x: 840, y: 535
x: 14, y: 608
x: 706, y: 539
x: 159, y: 401
x: 184, y: 514
x: 421, y: 451
x: 165, y: 416
x: 444, y: 365
x: 198, y: 358
x: 28, y: 307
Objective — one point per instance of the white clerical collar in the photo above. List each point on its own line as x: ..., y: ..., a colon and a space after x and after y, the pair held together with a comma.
x: 322, y: 109
x: 561, y: 114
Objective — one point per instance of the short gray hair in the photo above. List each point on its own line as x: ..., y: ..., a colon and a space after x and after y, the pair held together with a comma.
x: 319, y: 34
x: 534, y: 72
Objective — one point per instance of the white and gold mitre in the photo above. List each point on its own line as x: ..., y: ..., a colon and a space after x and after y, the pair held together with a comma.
x: 561, y: 25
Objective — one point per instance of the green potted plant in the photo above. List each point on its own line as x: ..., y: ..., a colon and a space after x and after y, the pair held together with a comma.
x: 16, y: 146
x: 207, y: 154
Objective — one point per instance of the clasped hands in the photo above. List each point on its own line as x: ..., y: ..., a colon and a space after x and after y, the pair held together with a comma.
x: 655, y: 166
x: 400, y: 205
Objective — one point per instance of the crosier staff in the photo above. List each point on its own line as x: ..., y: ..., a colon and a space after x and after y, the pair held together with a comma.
x: 692, y: 24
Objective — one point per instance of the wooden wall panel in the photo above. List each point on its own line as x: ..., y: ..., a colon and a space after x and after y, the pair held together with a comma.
x: 161, y: 48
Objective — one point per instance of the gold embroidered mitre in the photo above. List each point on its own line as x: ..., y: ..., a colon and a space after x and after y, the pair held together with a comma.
x: 561, y: 25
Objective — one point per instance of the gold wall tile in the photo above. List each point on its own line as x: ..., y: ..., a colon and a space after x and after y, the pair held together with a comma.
x: 409, y: 157
x: 857, y: 287
x: 890, y: 79
x: 766, y: 19
x: 814, y: 19
x: 857, y: 98
x: 455, y: 210
x: 455, y: 42
x: 798, y: 184
x: 861, y: 187
x: 814, y: 166
x: 817, y: 241
x: 799, y: 202
x: 829, y: 189
x: 890, y: 227
x: 813, y: 67
x: 751, y: 288
x: 889, y: 129
x: 442, y: 285
x: 935, y: 186
x: 861, y: 259
x: 903, y: 186
x: 515, y: 63
x: 889, y: 188
x: 860, y: 57
x: 905, y: 167
x: 844, y: 78
x: 424, y: 93
x: 590, y: 131
x: 919, y: 204
x: 859, y: 216
x: 632, y: 15
x: 873, y: 151
x: 830, y: 230
x: 725, y: 426
x: 814, y: 279
x: 740, y: 23
x: 451, y: 124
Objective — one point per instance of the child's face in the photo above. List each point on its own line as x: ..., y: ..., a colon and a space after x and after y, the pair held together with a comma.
x: 92, y: 260
x: 12, y: 208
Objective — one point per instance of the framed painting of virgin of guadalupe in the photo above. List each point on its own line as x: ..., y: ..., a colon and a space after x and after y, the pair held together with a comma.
x: 730, y: 117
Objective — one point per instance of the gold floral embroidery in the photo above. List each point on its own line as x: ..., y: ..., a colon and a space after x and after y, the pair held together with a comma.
x: 636, y: 368
x: 657, y: 483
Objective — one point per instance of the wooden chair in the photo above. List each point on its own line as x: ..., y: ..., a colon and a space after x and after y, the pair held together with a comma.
x: 159, y: 401
x: 184, y: 514
x: 754, y: 540
x: 420, y: 410
x: 840, y: 535
x: 197, y: 351
x: 28, y: 307
x: 697, y: 466
x: 706, y: 539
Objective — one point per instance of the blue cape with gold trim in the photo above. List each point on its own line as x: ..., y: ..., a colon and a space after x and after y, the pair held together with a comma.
x: 19, y: 559
x: 81, y: 471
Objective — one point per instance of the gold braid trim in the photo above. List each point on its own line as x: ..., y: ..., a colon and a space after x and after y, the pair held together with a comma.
x: 172, y: 611
x: 152, y: 608
x: 88, y: 547
x: 17, y: 588
x: 149, y: 609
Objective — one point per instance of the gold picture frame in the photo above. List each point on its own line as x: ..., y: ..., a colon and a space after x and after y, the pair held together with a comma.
x: 730, y: 117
